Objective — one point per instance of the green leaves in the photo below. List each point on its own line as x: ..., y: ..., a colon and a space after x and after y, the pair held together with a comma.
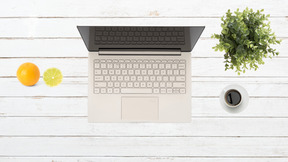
x: 246, y: 38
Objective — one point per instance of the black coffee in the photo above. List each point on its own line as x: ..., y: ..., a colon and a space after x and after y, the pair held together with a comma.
x: 233, y: 97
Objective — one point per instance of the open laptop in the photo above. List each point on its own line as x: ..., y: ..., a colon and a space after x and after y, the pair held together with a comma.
x: 139, y: 73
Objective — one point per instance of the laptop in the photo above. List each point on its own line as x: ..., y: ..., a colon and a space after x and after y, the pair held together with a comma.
x: 139, y: 73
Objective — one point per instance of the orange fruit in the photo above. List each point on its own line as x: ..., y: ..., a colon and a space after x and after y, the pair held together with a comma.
x: 28, y: 74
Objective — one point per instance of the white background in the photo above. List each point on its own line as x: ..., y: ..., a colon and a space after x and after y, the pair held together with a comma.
x: 50, y: 124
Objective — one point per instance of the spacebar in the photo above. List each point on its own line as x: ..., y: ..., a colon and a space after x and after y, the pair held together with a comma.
x: 134, y: 90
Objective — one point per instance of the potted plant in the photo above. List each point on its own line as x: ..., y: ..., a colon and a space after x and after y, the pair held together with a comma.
x: 246, y: 38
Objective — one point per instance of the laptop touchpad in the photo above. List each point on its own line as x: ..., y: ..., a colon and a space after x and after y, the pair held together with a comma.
x: 140, y: 108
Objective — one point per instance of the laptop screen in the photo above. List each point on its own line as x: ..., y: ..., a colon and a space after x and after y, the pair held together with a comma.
x: 140, y: 37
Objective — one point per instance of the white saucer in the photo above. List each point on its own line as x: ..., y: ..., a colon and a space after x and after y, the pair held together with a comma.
x: 242, y: 105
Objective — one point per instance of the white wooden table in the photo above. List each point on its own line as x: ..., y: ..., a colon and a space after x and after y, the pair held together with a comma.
x: 50, y: 124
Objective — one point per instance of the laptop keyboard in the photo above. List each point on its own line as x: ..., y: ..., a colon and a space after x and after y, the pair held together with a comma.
x: 139, y: 35
x: 136, y: 76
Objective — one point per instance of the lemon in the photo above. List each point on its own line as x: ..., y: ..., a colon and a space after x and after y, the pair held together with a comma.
x: 52, y: 77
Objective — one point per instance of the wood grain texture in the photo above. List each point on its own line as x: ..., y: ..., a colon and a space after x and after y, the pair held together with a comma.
x: 277, y: 87
x: 77, y: 107
x: 50, y: 124
x: 130, y: 8
x: 78, y: 126
x: 144, y: 146
x: 142, y: 159
x: 199, y: 67
x: 76, y: 48
x: 66, y: 27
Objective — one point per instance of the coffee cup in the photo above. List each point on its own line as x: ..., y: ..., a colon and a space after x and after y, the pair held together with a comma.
x: 234, y: 98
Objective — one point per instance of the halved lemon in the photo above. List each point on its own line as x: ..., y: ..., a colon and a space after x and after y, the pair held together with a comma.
x: 52, y: 77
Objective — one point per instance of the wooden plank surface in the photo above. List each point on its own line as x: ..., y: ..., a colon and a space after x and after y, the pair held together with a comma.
x: 77, y: 107
x: 144, y: 146
x: 277, y: 87
x: 76, y: 48
x: 130, y: 8
x: 78, y: 126
x: 50, y: 124
x: 142, y: 159
x: 199, y: 67
x: 66, y: 27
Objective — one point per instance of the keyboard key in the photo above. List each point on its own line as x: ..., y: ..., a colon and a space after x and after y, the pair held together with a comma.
x: 156, y: 72
x: 137, y: 72
x: 181, y: 66
x: 143, y: 72
x: 146, y: 78
x: 165, y: 78
x: 98, y: 33
x: 103, y: 66
x: 97, y: 72
x: 162, y: 90
x: 111, y: 72
x: 116, y: 90
x: 149, y: 84
x: 123, y: 84
x: 172, y: 78
x: 155, y: 90
x: 176, y: 72
x: 126, y: 78
x: 117, y: 72
x: 142, y: 84
x: 179, y: 84
x: 110, y: 84
x: 180, y: 78
x: 120, y: 78
x: 104, y: 72
x: 99, y: 78
x: 176, y: 91
x: 138, y: 90
x: 133, y: 78
x: 114, y: 78
x: 100, y: 84
x: 140, y: 78
x: 96, y: 90
x: 124, y: 72
x: 182, y: 90
x: 169, y: 72
x: 169, y: 84
x: 130, y: 84
x: 107, y: 78
x: 116, y: 84
x: 156, y: 84
x: 130, y: 72
x: 136, y: 84
x: 103, y: 90
x: 97, y: 65
x: 109, y: 90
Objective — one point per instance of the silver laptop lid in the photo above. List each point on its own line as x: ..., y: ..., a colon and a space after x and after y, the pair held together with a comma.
x: 140, y: 37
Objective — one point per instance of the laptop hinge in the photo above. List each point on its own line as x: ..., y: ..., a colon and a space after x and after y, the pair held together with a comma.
x: 139, y: 52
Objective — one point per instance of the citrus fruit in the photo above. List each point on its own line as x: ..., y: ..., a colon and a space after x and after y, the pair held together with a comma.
x: 28, y: 74
x: 52, y: 77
